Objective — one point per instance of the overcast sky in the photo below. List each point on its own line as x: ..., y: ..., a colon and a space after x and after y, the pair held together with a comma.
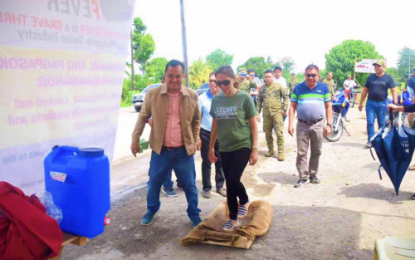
x: 304, y: 30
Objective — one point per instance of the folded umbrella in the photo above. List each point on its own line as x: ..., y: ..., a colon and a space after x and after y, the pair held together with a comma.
x: 394, y: 147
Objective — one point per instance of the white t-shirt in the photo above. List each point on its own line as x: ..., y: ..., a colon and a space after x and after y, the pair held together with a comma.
x: 349, y: 84
x: 282, y: 81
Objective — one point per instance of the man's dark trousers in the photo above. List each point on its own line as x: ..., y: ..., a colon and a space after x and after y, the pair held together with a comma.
x: 206, y: 165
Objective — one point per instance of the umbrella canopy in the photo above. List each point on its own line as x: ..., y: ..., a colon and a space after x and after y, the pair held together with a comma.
x: 394, y: 148
x: 377, y: 144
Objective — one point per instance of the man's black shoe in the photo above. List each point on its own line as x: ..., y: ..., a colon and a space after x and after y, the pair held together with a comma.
x: 413, y: 196
x: 301, y: 182
x: 314, y: 179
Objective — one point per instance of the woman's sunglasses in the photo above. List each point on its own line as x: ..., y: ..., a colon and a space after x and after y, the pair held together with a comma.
x: 225, y: 83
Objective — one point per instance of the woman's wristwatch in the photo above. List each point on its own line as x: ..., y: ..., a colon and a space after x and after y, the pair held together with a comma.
x: 255, y: 147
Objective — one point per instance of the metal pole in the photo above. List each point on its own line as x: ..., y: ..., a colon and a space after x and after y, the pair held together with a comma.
x: 409, y: 63
x: 132, y: 61
x: 184, y: 43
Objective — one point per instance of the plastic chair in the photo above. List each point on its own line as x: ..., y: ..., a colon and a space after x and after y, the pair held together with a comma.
x: 394, y: 248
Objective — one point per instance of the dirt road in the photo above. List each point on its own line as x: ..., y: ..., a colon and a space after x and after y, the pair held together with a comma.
x: 338, y: 219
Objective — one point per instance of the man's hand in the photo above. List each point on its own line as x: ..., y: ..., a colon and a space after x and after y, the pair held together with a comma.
x: 327, y: 130
x: 253, y: 158
x: 199, y: 145
x: 360, y: 107
x: 291, y: 130
x: 258, y: 118
x: 283, y: 113
x: 150, y: 122
x: 135, y: 148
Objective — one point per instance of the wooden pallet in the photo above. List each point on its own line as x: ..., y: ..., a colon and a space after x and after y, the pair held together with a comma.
x: 70, y: 239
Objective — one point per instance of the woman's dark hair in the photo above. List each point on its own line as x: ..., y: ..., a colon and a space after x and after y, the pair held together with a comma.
x: 228, y: 71
x: 210, y: 75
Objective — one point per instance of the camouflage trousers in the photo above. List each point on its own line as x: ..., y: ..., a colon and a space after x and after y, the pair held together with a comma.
x: 274, y: 122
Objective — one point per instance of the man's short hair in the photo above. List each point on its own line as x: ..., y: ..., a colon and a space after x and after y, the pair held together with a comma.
x: 312, y: 66
x: 277, y: 68
x: 175, y: 63
x: 293, y: 74
x: 268, y: 71
x: 250, y: 70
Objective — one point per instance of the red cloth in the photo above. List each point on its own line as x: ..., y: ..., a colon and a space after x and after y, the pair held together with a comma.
x: 26, y: 232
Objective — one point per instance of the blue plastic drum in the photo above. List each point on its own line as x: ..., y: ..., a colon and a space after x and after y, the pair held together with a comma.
x: 79, y: 181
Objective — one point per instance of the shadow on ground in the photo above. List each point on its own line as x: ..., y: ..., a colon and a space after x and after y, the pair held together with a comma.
x: 376, y: 192
x: 279, y: 177
x: 358, y: 145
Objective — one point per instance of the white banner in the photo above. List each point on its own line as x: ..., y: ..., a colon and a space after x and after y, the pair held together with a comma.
x: 365, y: 66
x: 61, y: 69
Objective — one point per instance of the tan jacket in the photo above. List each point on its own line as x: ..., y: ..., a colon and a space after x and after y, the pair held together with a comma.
x: 156, y: 105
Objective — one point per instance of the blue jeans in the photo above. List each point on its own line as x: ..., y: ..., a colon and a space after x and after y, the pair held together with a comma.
x: 168, y: 183
x: 184, y: 167
x: 375, y: 109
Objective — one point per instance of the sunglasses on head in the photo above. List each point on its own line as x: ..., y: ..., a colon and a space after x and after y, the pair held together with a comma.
x: 225, y: 83
x: 311, y: 75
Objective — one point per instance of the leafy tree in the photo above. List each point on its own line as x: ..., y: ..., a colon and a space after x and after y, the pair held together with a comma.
x: 300, y: 77
x: 155, y: 68
x: 394, y: 73
x: 143, y: 44
x: 199, y: 73
x: 258, y: 64
x: 406, y: 55
x: 287, y: 64
x: 218, y: 58
x: 341, y: 59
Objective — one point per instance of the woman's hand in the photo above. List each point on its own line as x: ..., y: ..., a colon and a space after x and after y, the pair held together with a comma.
x: 395, y: 108
x: 211, y: 156
x: 253, y: 158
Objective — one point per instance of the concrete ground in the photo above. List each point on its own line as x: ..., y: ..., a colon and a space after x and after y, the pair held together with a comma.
x: 338, y: 219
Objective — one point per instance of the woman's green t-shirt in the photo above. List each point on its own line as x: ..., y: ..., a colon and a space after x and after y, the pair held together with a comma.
x: 232, y: 115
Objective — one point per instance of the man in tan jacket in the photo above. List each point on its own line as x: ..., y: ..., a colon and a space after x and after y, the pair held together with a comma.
x: 174, y: 139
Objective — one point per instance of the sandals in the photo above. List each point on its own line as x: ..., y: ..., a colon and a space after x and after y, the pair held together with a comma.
x: 242, y: 212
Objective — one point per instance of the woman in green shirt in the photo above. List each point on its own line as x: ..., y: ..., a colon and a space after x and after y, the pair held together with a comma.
x: 233, y: 122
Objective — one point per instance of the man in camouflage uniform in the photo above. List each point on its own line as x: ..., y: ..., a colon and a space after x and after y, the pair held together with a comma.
x: 330, y: 83
x: 273, y: 100
x: 246, y: 82
x: 292, y: 84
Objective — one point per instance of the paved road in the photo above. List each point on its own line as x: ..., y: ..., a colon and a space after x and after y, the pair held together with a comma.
x: 127, y: 172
